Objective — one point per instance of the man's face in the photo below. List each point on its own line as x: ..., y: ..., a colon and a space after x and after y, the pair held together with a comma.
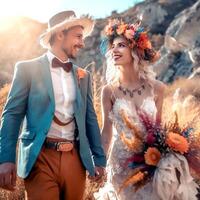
x: 72, y: 41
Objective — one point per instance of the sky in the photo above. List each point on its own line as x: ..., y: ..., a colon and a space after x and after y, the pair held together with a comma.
x: 42, y: 10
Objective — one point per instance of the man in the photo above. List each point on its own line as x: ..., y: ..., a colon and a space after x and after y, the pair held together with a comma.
x: 60, y: 138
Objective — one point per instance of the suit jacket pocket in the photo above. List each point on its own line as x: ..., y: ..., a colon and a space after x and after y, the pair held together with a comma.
x: 27, y: 135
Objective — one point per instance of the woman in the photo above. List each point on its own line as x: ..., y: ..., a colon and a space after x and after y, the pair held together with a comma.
x: 131, y: 88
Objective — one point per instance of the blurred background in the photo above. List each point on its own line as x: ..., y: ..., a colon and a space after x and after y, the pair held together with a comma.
x: 174, y: 29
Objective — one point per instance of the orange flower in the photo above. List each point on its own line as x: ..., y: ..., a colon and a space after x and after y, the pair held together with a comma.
x: 121, y: 28
x: 81, y: 73
x: 143, y: 41
x: 177, y: 142
x: 109, y: 30
x: 152, y: 156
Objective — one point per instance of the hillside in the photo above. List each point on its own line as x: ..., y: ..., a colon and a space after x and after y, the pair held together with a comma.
x: 19, y: 38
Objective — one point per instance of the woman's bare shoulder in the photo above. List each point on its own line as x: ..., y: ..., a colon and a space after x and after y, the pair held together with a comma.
x: 107, y: 90
x: 159, y: 86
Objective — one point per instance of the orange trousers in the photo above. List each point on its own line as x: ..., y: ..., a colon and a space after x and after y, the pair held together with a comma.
x: 56, y: 176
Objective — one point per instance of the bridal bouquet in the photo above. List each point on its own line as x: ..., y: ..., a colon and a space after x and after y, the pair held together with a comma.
x: 162, y: 155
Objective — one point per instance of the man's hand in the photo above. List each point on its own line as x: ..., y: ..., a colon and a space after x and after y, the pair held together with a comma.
x: 8, y: 176
x: 100, y: 174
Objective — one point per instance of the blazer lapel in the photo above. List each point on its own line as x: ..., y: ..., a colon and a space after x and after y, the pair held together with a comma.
x: 46, y: 74
x: 78, y: 102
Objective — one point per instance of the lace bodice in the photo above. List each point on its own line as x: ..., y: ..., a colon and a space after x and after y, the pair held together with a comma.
x: 147, y: 106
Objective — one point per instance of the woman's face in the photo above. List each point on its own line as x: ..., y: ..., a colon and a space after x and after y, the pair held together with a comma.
x: 121, y: 52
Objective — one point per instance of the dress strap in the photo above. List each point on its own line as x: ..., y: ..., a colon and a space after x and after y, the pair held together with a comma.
x: 113, y: 95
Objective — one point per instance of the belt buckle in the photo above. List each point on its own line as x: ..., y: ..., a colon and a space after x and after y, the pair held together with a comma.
x: 65, y: 146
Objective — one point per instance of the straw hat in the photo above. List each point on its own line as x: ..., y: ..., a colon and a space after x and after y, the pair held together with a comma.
x: 65, y: 20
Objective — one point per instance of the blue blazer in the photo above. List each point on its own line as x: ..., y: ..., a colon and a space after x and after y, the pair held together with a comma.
x: 31, y: 98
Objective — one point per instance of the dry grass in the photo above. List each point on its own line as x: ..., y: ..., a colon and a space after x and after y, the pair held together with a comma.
x: 189, y: 90
x: 3, y: 95
x: 97, y: 83
x: 188, y: 87
x: 185, y: 102
x: 18, y: 194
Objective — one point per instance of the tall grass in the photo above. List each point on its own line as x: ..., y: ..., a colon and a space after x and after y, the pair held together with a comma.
x: 188, y: 88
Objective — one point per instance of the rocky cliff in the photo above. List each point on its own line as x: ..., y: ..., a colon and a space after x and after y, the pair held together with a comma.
x: 174, y: 27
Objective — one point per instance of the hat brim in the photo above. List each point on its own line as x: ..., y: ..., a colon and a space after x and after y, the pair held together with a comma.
x: 86, y: 22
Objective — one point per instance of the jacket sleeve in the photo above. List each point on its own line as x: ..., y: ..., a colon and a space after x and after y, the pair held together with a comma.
x: 92, y: 130
x: 13, y: 114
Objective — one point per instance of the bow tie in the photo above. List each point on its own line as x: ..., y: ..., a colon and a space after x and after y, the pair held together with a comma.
x: 66, y: 66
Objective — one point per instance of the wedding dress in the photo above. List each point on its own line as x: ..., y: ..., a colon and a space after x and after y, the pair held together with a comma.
x: 164, y: 181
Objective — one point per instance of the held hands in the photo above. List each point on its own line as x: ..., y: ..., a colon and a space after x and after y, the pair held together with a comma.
x: 100, y: 175
x: 8, y: 176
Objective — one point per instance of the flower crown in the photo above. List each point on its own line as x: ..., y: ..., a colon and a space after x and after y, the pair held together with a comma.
x: 136, y: 36
x: 133, y: 32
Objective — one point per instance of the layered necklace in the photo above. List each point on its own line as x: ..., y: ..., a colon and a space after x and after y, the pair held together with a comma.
x: 130, y: 92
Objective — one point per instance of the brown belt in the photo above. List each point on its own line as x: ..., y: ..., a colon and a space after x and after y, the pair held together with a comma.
x: 57, y: 121
x: 59, y: 144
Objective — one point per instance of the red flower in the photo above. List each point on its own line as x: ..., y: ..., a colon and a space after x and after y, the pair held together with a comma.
x: 143, y: 41
x: 138, y: 158
x: 132, y: 27
x: 150, y: 139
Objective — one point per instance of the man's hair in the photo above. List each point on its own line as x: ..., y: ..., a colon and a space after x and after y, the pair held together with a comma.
x: 52, y: 39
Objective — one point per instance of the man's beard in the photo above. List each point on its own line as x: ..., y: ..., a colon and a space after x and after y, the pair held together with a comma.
x: 68, y: 54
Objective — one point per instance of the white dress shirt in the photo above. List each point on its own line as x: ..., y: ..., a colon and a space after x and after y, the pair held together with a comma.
x: 65, y: 95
